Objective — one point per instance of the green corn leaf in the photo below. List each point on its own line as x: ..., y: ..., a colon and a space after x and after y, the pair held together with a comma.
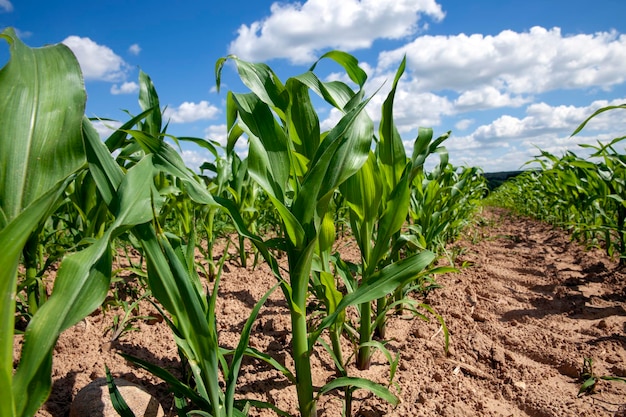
x: 379, y: 284
x: 262, y: 81
x: 149, y: 100
x: 269, y: 160
x: 178, y: 388
x: 117, y: 401
x: 587, y: 386
x: 304, y: 128
x: 374, y: 388
x: 80, y: 287
x: 342, y: 153
x: 12, y: 239
x: 336, y: 93
x: 254, y: 353
x: 596, y: 113
x: 391, y: 220
x: 263, y: 405
x: 349, y: 63
x: 42, y: 102
x: 390, y: 147
x: 363, y: 191
x: 167, y: 160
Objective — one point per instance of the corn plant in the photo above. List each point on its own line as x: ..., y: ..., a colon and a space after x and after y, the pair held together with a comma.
x: 46, y: 143
x: 586, y: 196
x: 443, y: 202
x: 300, y: 168
x: 378, y: 200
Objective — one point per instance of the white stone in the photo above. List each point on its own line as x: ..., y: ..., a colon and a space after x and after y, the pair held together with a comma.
x: 93, y: 400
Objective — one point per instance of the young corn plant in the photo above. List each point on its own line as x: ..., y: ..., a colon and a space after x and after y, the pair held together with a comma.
x: 46, y: 143
x: 586, y: 196
x: 378, y: 200
x: 300, y: 168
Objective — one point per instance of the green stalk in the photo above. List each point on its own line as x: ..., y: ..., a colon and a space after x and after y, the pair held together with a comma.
x: 300, y: 270
x: 32, y: 283
x: 365, y: 335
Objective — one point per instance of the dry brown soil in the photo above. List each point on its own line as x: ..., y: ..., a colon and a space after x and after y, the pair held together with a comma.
x: 522, y: 318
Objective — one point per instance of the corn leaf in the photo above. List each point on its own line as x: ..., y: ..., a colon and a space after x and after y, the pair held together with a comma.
x: 42, y: 101
x: 374, y: 388
x: 80, y: 287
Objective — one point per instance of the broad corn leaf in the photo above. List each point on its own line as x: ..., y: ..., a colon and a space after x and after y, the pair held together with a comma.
x: 42, y: 102
x: 379, y: 284
x: 340, y: 155
x: 80, y: 287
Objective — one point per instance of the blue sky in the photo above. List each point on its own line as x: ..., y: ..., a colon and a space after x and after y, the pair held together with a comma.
x: 506, y: 77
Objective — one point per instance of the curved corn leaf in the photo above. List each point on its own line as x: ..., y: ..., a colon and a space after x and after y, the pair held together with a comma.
x: 379, y: 284
x: 340, y: 155
x: 352, y: 382
x: 42, y: 102
x: 149, y: 100
x: 80, y: 287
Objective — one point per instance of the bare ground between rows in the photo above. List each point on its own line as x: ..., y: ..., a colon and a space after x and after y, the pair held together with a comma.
x: 522, y: 318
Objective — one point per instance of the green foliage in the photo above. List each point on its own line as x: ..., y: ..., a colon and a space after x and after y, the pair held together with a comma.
x: 71, y: 199
x: 300, y: 169
x: 589, y: 379
x: 586, y: 196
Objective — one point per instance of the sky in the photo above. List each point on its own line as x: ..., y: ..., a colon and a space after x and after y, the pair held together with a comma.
x: 508, y: 78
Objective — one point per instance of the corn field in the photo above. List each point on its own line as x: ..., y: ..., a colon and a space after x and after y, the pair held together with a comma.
x: 585, y: 196
x: 74, y: 201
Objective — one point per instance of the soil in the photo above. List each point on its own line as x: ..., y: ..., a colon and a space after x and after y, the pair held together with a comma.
x: 523, y: 313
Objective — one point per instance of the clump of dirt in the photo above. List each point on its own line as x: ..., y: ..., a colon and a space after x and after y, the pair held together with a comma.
x: 523, y: 315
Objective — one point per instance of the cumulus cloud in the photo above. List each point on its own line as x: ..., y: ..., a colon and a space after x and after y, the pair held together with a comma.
x: 487, y: 97
x: 508, y: 142
x: 106, y: 128
x: 463, y: 124
x: 98, y: 62
x: 134, y: 49
x: 194, y: 158
x: 190, y: 112
x: 125, y: 88
x: 531, y: 62
x: 297, y: 31
x: 6, y: 5
x: 216, y: 133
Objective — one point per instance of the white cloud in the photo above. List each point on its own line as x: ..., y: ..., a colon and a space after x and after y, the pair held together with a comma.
x: 125, y: 88
x: 531, y: 62
x: 98, y: 62
x: 508, y: 142
x: 487, y: 97
x: 297, y: 31
x: 105, y: 128
x: 216, y: 133
x: 191, y: 112
x: 134, y: 49
x: 6, y: 5
x: 463, y: 124
x: 193, y: 159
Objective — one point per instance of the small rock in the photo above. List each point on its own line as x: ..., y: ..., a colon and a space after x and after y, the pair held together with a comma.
x: 479, y: 316
x: 93, y: 400
x: 520, y: 384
